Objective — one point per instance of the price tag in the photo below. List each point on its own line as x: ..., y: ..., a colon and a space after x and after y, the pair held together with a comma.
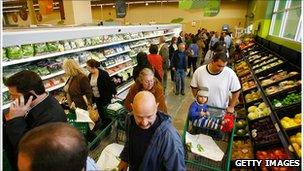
x: 277, y: 127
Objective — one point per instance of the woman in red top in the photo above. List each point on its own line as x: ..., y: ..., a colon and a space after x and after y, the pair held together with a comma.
x: 156, y: 61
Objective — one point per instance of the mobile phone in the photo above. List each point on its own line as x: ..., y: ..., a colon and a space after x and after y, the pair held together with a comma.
x: 27, y: 95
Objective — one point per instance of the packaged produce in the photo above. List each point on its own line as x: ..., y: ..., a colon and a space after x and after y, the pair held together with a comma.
x: 88, y: 42
x: 66, y: 45
x: 27, y: 50
x: 40, y: 48
x: 296, y: 141
x: 14, y: 52
x: 254, y: 95
x: 242, y: 149
x: 248, y: 85
x: 80, y: 43
x: 73, y: 44
x: 291, y: 122
x: 96, y: 41
x: 52, y: 46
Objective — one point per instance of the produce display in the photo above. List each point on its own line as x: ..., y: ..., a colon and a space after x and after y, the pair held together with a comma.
x: 242, y: 68
x: 114, y: 60
x: 282, y: 86
x: 132, y: 44
x: 136, y: 50
x: 268, y: 66
x: 278, y: 77
x: 119, y: 67
x: 277, y: 153
x: 241, y: 128
x: 254, y: 95
x: 54, y: 81
x: 242, y: 149
x: 262, y: 59
x: 263, y: 132
x: 255, y: 112
x: 288, y: 100
x: 246, y: 78
x: 248, y: 85
x: 264, y: 63
x: 296, y: 141
x: 254, y: 57
x: 241, y: 112
x: 291, y: 122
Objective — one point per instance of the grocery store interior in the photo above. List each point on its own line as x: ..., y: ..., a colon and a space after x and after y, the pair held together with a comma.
x: 152, y: 85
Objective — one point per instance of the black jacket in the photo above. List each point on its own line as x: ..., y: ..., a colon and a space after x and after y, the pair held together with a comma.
x: 175, y: 60
x: 171, y: 53
x: 105, y: 86
x: 49, y: 110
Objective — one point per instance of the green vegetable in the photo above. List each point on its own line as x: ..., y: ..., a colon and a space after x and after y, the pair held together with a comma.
x: 27, y: 50
x: 199, y: 148
x: 40, y: 48
x: 52, y: 46
x: 14, y: 52
x: 189, y: 146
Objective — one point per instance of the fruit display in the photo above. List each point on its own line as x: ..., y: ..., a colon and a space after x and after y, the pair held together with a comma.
x: 259, y: 111
x: 263, y: 132
x: 119, y: 67
x: 241, y: 128
x: 288, y: 100
x: 296, y: 141
x: 268, y: 66
x: 248, y: 85
x: 114, y: 60
x: 278, y: 77
x: 254, y: 57
x: 242, y: 149
x: 264, y: 63
x: 254, y: 95
x: 282, y: 86
x: 277, y: 153
x: 241, y: 112
x: 242, y: 68
x: 262, y: 59
x: 246, y: 78
x: 291, y: 122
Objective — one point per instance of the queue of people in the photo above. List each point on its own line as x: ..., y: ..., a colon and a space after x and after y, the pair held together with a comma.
x: 151, y: 139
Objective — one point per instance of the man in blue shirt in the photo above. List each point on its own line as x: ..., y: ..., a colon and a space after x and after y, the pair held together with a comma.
x: 152, y: 143
x: 227, y: 39
x: 179, y: 62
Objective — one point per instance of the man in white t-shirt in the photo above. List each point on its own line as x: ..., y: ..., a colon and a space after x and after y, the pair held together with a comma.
x: 220, y: 80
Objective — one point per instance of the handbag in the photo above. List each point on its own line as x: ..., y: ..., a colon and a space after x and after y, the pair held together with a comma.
x: 93, y: 113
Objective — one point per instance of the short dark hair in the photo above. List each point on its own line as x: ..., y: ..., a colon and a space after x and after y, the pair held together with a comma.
x: 25, y: 81
x: 153, y: 49
x: 219, y: 46
x: 55, y: 146
x: 93, y: 63
x: 194, y: 40
x: 220, y: 56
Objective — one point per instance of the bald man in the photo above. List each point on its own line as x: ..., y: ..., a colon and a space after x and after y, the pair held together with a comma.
x: 54, y: 146
x: 152, y: 143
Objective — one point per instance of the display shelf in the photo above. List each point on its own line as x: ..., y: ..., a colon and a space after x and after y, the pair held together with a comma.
x: 266, y: 63
x: 118, y: 53
x: 142, y: 44
x: 298, y: 87
x: 283, y: 79
x: 124, y: 87
x: 277, y: 109
x: 121, y: 70
x: 118, y: 63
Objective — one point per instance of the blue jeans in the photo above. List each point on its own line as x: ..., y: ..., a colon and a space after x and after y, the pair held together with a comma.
x: 180, y: 75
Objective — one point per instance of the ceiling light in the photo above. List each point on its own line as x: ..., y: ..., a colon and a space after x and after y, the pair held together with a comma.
x: 113, y: 6
x: 147, y: 4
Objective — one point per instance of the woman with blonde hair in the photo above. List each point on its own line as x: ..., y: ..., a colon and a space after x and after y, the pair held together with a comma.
x: 77, y: 87
x: 148, y: 82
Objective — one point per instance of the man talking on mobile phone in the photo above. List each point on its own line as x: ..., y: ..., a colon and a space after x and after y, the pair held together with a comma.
x: 31, y: 107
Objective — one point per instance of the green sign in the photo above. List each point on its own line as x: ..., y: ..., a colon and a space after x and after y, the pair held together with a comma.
x: 192, y: 4
x: 212, y: 8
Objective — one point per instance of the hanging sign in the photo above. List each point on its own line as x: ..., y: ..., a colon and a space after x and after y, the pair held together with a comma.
x: 212, y: 8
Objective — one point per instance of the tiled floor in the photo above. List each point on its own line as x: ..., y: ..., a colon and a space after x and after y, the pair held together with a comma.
x: 177, y: 109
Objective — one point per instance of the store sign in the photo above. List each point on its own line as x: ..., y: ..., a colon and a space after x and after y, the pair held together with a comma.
x: 45, y: 6
x: 192, y: 4
x: 212, y: 8
x: 120, y: 8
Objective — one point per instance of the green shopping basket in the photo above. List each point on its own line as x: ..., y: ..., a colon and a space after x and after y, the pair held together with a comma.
x: 83, y: 127
x: 225, y: 142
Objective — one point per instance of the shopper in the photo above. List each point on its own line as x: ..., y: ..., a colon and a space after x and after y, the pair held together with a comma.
x: 54, y: 146
x: 152, y: 143
x: 156, y: 61
x: 164, y: 53
x: 179, y: 62
x: 217, y: 48
x: 201, y: 54
x: 103, y: 89
x: 146, y: 81
x: 77, y: 88
x: 227, y: 40
x: 181, y: 38
x: 214, y: 39
x: 193, y: 51
x: 172, y: 48
x: 32, y: 106
x: 142, y: 62
x: 220, y: 80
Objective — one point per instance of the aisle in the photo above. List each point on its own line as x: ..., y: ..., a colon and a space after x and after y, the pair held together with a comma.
x: 178, y: 105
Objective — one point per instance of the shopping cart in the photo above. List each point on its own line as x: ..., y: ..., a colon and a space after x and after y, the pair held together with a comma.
x: 223, y: 140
